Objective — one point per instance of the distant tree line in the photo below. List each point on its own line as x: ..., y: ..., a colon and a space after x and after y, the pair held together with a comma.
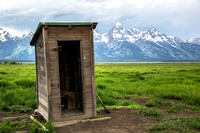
x: 10, y: 63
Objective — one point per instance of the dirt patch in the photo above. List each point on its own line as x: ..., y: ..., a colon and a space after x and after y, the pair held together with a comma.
x: 6, y: 114
x: 141, y: 101
x: 183, y: 113
x: 122, y: 121
x: 125, y: 120
x: 173, y: 101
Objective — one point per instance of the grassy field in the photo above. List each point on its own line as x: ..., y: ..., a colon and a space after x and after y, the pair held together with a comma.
x: 120, y: 85
x: 166, y: 81
x: 17, y: 88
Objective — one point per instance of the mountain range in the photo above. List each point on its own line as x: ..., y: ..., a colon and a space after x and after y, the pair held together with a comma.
x: 118, y: 44
x: 14, y: 47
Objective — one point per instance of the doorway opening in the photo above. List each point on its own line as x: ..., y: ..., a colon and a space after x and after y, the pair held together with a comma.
x: 70, y: 78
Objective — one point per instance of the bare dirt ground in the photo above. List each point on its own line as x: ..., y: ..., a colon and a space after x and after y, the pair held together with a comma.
x: 122, y: 121
x: 4, y: 114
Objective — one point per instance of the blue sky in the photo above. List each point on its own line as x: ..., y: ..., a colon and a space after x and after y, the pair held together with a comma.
x: 180, y: 18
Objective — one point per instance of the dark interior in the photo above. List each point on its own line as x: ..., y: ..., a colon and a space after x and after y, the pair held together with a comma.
x: 70, y: 76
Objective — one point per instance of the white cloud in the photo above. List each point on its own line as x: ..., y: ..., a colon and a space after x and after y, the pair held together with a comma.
x: 176, y: 17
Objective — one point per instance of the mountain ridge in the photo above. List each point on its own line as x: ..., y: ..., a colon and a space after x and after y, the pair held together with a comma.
x: 14, y: 47
x: 116, y: 44
x: 144, y: 45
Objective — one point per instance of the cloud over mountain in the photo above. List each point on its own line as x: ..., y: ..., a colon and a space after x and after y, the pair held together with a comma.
x: 176, y: 17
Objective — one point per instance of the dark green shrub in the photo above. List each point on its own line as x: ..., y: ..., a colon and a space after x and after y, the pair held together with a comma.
x: 13, y: 63
x: 6, y: 62
x: 100, y: 86
x: 4, y: 83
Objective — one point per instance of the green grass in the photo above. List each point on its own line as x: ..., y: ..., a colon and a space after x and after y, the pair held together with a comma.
x: 167, y: 81
x: 113, y: 82
x: 118, y: 85
x: 178, y: 125
x: 35, y: 127
x: 26, y: 125
x: 17, y: 88
x: 172, y: 107
x: 151, y: 112
x: 10, y: 126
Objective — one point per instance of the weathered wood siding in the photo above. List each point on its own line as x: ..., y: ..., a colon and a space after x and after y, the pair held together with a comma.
x: 78, y: 33
x: 41, y: 77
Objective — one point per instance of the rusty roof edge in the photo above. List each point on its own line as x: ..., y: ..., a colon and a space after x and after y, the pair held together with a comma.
x: 39, y: 27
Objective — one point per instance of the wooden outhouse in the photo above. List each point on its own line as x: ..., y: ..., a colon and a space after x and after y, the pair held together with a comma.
x: 64, y: 54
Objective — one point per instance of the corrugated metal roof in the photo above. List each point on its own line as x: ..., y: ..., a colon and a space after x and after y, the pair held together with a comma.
x: 38, y: 29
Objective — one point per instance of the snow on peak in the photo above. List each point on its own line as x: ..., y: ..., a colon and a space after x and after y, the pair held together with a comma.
x: 155, y: 36
x: 119, y: 24
x: 104, y: 38
x: 3, y: 35
x: 192, y: 40
x: 134, y: 31
x: 132, y: 35
x: 97, y: 36
x: 100, y: 37
x: 153, y: 29
x: 117, y: 32
x: 29, y: 35
x: 1, y: 30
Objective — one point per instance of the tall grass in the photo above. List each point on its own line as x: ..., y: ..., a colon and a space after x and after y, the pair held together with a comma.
x: 17, y: 88
x: 114, y: 83
x: 168, y: 81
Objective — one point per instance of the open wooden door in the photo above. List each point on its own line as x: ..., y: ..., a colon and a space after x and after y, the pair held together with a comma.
x: 70, y: 77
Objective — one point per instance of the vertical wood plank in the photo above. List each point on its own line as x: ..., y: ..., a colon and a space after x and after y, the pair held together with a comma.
x: 93, y: 72
x: 45, y: 42
x: 36, y: 74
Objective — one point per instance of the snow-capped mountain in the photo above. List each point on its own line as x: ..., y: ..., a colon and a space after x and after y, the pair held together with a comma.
x: 118, y: 44
x: 134, y: 44
x: 192, y: 40
x: 15, y: 47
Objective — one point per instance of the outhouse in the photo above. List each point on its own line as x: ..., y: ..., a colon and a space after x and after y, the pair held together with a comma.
x: 64, y: 54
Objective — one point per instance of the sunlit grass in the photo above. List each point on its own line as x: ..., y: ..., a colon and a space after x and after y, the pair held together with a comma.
x: 166, y: 81
x: 114, y: 83
x: 177, y: 125
x: 17, y: 88
x: 118, y: 85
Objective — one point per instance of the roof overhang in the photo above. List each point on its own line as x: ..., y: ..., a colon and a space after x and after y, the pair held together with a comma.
x: 41, y: 24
